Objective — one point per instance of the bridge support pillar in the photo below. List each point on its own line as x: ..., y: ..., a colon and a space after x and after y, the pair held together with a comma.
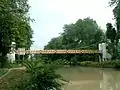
x: 102, y: 49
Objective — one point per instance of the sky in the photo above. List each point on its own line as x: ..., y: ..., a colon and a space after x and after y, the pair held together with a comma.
x: 51, y: 15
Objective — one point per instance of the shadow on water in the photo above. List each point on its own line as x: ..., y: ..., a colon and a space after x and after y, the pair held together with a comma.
x: 81, y: 78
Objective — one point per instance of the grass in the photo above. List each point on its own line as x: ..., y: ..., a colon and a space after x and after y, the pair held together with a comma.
x: 105, y: 64
x: 12, y: 79
x: 15, y: 65
x: 36, y: 75
x: 3, y: 71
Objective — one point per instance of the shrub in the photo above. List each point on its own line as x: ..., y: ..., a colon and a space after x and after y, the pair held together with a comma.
x: 42, y: 77
x: 105, y: 64
x: 117, y: 65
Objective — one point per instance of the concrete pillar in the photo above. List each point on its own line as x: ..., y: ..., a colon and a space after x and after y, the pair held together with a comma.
x: 11, y: 55
x: 102, y: 49
x: 104, y: 58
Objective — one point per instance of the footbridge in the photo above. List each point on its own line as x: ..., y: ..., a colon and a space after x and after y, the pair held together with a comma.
x: 58, y: 52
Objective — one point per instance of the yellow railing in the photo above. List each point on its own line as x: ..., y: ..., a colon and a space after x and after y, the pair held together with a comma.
x: 59, y: 52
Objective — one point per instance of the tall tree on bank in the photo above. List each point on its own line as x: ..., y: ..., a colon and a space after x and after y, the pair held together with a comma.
x: 111, y: 32
x: 14, y: 26
x: 116, y: 12
x: 84, y: 34
x: 111, y: 36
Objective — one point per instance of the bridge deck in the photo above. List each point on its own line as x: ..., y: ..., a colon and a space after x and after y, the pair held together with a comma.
x: 59, y: 52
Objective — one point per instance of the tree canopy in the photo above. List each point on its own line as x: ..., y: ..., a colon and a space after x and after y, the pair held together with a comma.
x: 84, y: 34
x: 14, y: 25
x: 111, y: 33
x: 116, y: 12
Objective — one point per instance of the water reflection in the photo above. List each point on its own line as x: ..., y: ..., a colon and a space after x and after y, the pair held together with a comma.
x: 110, y: 80
x: 91, y: 78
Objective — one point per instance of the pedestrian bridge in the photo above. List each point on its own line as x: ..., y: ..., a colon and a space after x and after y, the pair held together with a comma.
x: 58, y: 52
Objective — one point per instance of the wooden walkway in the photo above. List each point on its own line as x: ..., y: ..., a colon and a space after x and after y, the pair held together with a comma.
x: 59, y: 52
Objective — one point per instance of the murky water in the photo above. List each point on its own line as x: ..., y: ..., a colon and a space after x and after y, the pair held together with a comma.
x: 81, y: 78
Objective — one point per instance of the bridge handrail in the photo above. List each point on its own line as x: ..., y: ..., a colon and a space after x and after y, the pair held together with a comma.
x: 59, y: 52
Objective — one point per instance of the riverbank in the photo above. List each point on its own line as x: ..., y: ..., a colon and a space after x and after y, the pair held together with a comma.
x: 79, y: 78
x: 12, y: 79
x: 3, y: 71
x: 17, y: 76
x: 104, y: 64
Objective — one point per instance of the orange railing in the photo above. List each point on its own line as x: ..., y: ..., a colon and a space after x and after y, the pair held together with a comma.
x: 59, y: 52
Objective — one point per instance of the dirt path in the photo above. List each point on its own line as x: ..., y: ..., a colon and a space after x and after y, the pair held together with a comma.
x: 10, y: 70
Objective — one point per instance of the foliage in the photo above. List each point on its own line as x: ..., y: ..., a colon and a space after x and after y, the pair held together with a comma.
x: 42, y: 77
x: 116, y: 12
x: 105, y: 64
x: 61, y: 62
x: 3, y: 71
x: 14, y: 26
x: 55, y: 43
x: 84, y: 34
x: 13, y: 80
x: 111, y: 32
x: 111, y: 35
x: 36, y: 76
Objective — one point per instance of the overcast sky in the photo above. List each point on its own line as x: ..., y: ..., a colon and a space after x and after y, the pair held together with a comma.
x: 51, y: 15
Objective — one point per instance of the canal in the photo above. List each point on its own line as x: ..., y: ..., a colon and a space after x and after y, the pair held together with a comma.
x: 82, y: 78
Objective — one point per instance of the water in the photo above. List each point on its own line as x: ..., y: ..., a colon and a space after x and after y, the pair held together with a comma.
x: 81, y: 78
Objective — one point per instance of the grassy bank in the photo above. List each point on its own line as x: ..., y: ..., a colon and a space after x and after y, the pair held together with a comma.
x: 12, y: 79
x: 105, y: 64
x: 3, y: 71
x: 36, y: 76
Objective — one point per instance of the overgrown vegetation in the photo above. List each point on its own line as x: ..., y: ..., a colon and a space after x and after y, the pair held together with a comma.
x: 36, y: 76
x: 13, y: 80
x: 14, y: 27
x: 3, y: 71
x: 113, y: 32
x: 84, y: 34
x: 105, y: 64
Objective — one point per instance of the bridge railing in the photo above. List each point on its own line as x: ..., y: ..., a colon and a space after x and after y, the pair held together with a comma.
x: 59, y: 52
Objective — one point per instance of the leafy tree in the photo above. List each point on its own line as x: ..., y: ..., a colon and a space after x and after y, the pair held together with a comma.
x: 14, y: 26
x: 116, y: 12
x: 55, y: 43
x: 41, y: 77
x: 84, y: 34
x: 111, y: 32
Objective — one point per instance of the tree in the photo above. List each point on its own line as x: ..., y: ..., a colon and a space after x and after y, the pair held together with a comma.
x: 14, y: 26
x: 111, y: 35
x: 116, y: 12
x: 84, y: 34
x: 111, y: 32
x: 55, y: 43
x: 41, y: 77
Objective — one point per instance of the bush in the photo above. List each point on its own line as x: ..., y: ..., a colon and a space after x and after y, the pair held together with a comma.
x: 117, y: 65
x: 4, y: 63
x: 61, y: 62
x: 105, y: 64
x: 42, y: 77
x: 3, y: 71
